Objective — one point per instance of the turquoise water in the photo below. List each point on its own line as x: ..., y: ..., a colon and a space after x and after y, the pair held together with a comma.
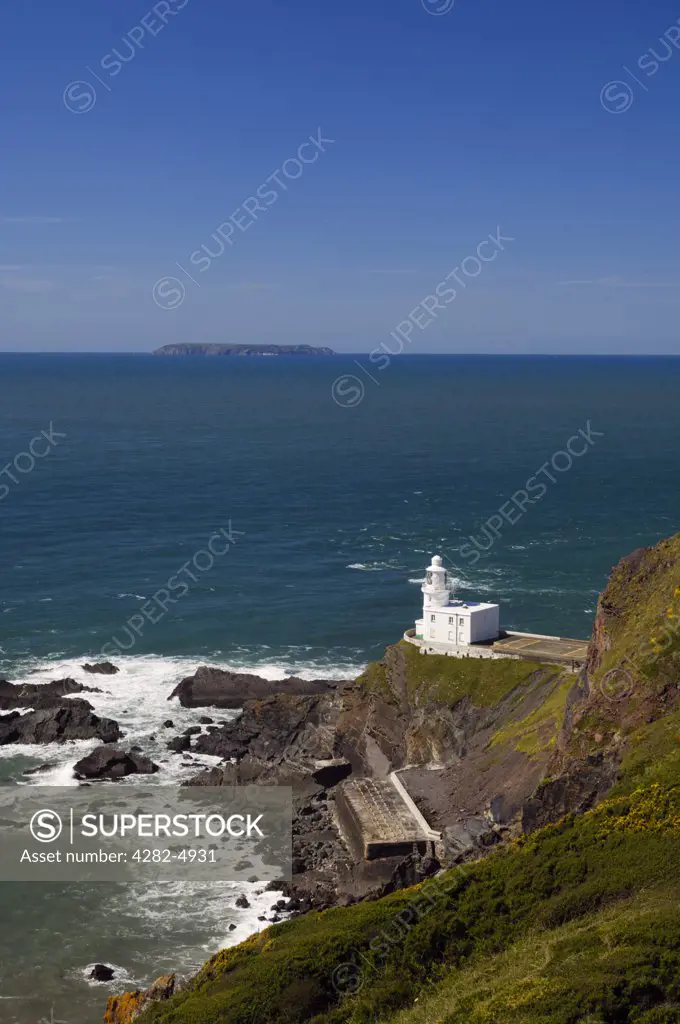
x: 338, y: 511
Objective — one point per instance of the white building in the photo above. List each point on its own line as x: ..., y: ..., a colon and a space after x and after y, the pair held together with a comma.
x: 450, y: 626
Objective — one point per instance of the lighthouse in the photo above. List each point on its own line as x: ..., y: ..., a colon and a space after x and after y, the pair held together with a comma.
x: 449, y: 626
x: 436, y: 588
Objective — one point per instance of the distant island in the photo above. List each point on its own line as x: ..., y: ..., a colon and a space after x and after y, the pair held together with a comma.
x: 241, y: 350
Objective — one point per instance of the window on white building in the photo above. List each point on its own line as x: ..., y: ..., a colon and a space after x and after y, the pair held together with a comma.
x: 452, y: 621
x: 433, y: 618
x: 461, y: 622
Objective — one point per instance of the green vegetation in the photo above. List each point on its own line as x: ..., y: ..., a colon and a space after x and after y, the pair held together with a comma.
x: 625, y: 955
x: 445, y: 680
x: 644, y: 632
x: 575, y: 924
x: 538, y: 731
x: 578, y: 920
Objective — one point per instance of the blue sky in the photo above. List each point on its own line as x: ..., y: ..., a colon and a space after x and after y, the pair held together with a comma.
x: 445, y: 126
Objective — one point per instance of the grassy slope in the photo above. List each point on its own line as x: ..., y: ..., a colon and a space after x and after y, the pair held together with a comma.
x: 437, y: 942
x: 447, y: 680
x: 577, y: 924
x: 645, y: 618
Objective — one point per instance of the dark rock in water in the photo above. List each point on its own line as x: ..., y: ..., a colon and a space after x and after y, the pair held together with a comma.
x: 39, y: 695
x: 193, y: 730
x: 213, y: 687
x: 70, y: 720
x: 102, y: 668
x: 232, y: 927
x: 48, y: 766
x: 111, y: 763
x: 168, y: 724
x: 242, y: 901
x: 100, y: 972
x: 178, y: 744
x: 206, y: 720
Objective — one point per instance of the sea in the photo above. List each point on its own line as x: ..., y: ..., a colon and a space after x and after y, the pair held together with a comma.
x: 330, y: 483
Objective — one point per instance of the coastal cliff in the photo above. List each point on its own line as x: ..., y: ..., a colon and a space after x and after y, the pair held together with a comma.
x: 558, y: 800
x: 191, y: 349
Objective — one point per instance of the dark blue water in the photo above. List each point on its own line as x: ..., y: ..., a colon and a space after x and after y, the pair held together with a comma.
x: 339, y: 507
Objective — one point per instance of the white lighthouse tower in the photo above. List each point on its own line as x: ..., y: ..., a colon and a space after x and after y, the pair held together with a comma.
x: 436, y: 588
x: 449, y: 626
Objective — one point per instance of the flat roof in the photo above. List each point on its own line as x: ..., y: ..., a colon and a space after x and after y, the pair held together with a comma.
x: 462, y: 608
x: 543, y: 648
x: 381, y: 813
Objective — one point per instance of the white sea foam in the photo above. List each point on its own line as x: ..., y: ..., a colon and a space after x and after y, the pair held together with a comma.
x: 375, y: 567
x: 137, y: 698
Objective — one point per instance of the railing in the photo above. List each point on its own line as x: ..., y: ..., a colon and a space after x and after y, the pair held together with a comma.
x: 410, y: 637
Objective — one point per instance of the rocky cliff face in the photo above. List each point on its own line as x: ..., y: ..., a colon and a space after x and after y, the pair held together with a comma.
x: 630, y: 681
x: 128, y: 1007
x: 488, y: 749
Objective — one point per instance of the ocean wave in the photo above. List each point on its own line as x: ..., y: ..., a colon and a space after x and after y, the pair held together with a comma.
x: 375, y: 567
x: 137, y: 698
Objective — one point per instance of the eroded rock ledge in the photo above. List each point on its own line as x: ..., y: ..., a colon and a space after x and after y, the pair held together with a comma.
x: 217, y: 688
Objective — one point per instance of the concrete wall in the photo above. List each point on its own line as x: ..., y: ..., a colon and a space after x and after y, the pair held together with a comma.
x: 376, y: 820
x: 485, y: 624
x: 460, y: 626
x: 431, y: 647
x: 446, y: 621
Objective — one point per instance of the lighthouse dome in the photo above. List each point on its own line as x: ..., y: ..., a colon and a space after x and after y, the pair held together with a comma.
x: 437, y: 560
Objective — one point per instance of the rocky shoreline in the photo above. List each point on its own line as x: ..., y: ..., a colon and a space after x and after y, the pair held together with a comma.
x: 436, y: 729
x: 313, y: 736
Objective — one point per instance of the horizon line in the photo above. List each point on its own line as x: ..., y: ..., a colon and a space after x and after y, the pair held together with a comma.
x: 404, y: 355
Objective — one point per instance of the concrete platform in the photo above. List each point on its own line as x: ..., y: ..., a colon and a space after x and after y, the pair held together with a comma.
x: 554, y: 650
x: 377, y: 821
x: 551, y: 649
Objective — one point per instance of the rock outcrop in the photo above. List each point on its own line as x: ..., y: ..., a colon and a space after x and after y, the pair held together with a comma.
x: 110, y: 763
x: 574, y: 791
x: 274, y: 728
x: 102, y: 668
x: 488, y: 750
x: 178, y: 744
x: 214, y: 687
x: 102, y: 972
x: 70, y: 720
x: 39, y: 695
x: 126, y: 1008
